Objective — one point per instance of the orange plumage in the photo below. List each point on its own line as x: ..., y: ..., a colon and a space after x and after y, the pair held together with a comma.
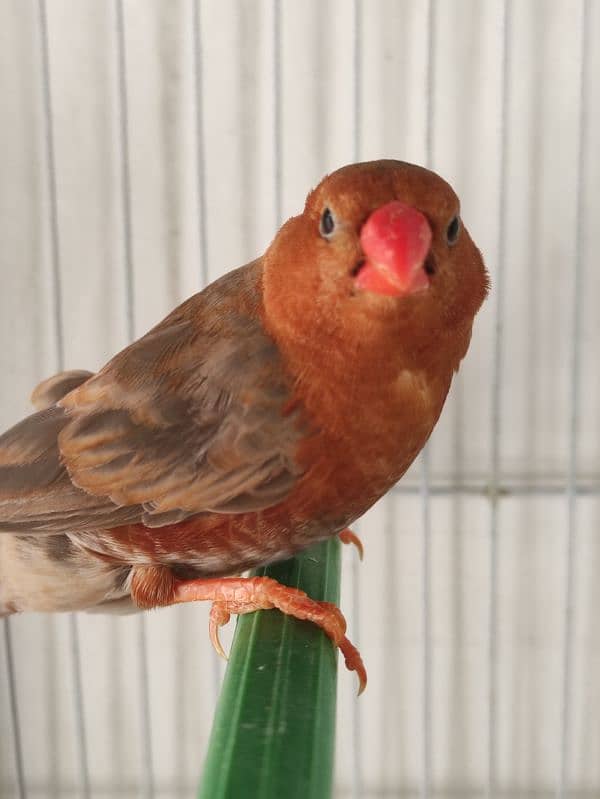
x: 268, y: 411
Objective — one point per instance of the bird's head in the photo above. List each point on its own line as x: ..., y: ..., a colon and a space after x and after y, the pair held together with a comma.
x: 379, y: 256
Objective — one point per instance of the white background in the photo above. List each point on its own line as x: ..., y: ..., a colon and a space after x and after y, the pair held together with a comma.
x: 393, y: 751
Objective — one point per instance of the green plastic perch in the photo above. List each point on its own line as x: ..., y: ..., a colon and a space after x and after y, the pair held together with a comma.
x: 273, y: 733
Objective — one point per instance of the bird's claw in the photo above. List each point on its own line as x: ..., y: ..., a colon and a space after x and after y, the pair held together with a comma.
x: 354, y: 662
x: 348, y: 537
x: 217, y: 618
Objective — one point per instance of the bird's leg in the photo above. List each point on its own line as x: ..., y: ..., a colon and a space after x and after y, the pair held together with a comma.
x: 247, y: 594
x: 157, y: 586
x: 348, y: 537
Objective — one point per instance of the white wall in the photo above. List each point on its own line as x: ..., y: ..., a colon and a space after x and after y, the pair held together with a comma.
x: 317, y: 133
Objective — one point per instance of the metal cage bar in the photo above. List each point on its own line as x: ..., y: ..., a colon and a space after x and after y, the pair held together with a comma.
x: 14, y: 711
x: 55, y: 263
x: 496, y: 407
x: 574, y: 402
x: 277, y: 114
x: 129, y: 311
x: 198, y: 56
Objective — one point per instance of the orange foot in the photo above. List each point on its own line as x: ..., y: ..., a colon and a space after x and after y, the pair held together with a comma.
x: 348, y: 537
x: 247, y: 594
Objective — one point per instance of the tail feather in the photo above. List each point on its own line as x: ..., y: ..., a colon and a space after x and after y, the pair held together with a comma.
x: 54, y: 388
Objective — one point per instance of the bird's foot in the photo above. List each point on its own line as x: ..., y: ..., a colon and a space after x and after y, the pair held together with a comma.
x: 348, y: 537
x: 247, y: 594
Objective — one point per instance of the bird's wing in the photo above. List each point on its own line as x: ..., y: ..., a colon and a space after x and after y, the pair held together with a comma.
x: 185, y: 419
x: 36, y: 494
x: 193, y: 417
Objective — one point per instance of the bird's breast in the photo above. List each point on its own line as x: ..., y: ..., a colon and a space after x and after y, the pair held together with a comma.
x: 365, y: 438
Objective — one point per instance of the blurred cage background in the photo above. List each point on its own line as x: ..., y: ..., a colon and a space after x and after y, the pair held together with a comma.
x: 147, y: 147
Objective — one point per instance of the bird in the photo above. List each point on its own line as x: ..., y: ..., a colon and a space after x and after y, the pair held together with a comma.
x: 265, y: 413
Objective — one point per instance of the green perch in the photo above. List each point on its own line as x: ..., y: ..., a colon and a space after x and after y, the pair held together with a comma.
x: 273, y: 733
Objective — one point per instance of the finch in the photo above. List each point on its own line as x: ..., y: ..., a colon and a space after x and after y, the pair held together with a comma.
x: 265, y: 413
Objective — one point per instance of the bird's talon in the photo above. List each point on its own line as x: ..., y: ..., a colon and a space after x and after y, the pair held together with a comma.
x: 348, y: 537
x: 217, y: 618
x: 247, y: 594
x: 354, y: 662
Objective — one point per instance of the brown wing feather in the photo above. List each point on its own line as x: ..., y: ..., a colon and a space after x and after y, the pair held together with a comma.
x: 36, y: 494
x: 188, y: 419
x: 191, y: 417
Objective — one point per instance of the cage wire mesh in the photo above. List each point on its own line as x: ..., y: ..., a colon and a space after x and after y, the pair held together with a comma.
x: 148, y: 147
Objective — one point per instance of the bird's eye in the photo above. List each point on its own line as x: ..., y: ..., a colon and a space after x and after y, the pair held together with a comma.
x: 327, y: 224
x: 453, y: 230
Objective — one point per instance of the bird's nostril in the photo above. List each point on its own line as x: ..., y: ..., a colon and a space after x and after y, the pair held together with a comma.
x: 357, y: 267
x: 429, y: 265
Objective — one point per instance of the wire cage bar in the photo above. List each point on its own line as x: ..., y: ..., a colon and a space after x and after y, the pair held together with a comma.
x: 129, y: 311
x: 574, y: 401
x: 55, y: 262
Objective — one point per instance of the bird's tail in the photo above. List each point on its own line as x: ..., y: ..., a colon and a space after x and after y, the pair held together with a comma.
x: 54, y: 388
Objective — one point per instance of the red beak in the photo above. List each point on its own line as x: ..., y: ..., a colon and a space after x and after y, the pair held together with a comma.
x: 395, y: 240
